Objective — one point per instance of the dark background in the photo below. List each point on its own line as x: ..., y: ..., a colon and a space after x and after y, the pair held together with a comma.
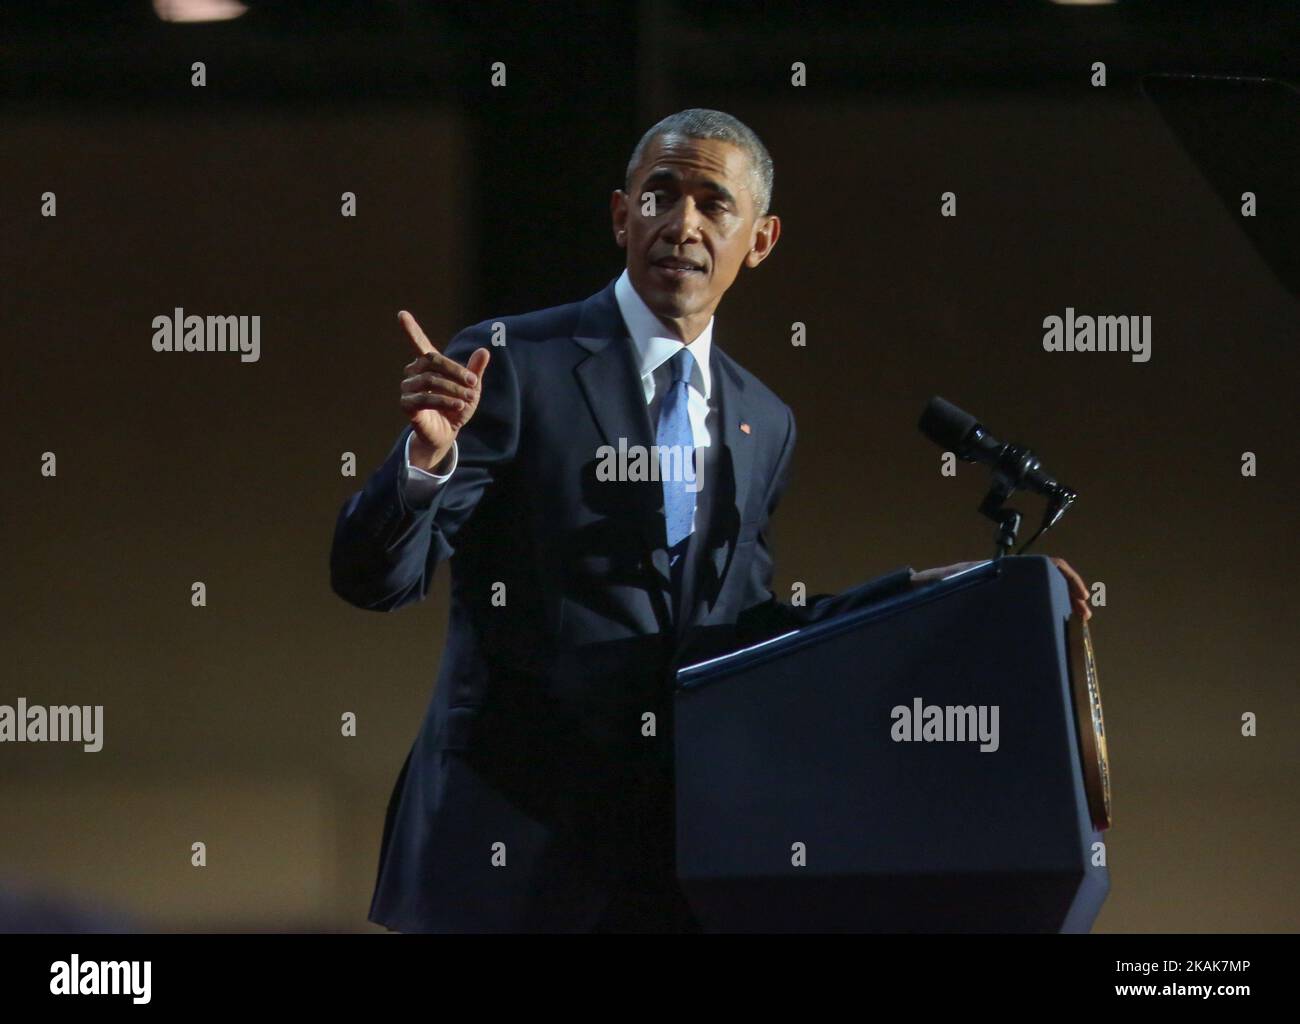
x: 222, y: 723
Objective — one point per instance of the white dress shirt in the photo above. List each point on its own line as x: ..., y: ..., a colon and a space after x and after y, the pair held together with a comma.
x: 653, y: 345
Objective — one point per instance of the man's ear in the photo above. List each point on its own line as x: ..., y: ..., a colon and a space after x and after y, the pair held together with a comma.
x: 618, y: 210
x: 765, y: 236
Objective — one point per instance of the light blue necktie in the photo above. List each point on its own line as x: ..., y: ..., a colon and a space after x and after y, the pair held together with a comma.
x: 674, y: 438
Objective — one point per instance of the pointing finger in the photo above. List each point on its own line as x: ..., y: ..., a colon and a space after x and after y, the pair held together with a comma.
x: 422, y: 344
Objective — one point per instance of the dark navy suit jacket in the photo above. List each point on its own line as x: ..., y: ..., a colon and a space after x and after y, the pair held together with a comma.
x: 532, y: 790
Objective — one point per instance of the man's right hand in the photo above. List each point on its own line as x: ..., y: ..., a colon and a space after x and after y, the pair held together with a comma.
x: 439, y: 395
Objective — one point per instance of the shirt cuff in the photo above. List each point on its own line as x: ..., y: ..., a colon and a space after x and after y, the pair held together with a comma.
x: 418, y: 485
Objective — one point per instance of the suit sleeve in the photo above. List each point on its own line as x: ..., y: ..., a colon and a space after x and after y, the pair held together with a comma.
x: 770, y: 616
x: 385, y: 551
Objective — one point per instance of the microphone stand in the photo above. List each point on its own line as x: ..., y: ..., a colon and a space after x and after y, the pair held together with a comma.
x: 1014, y: 464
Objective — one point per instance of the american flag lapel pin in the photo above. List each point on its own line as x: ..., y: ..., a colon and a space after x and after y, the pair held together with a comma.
x: 744, y: 427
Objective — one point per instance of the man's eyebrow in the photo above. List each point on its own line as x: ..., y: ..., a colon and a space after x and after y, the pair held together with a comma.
x: 661, y: 175
x: 720, y: 189
x: 672, y: 176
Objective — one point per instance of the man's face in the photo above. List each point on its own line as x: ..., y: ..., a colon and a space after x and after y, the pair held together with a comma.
x: 684, y: 256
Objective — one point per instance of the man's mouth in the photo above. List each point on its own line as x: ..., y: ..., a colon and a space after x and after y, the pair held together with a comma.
x: 677, y: 268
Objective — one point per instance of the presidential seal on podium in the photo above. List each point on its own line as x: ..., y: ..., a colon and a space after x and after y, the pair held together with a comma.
x: 1088, y: 719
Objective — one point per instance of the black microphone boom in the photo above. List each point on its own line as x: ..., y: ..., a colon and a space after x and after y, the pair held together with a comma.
x: 1014, y: 468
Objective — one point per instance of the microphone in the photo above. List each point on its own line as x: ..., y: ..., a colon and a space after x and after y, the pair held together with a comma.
x: 1014, y: 466
x: 959, y: 432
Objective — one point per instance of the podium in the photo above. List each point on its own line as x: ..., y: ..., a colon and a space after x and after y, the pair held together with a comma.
x: 853, y: 776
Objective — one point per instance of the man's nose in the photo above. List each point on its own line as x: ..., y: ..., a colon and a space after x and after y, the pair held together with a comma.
x: 683, y: 223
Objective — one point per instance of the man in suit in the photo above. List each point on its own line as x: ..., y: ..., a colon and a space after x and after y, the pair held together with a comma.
x: 537, y: 795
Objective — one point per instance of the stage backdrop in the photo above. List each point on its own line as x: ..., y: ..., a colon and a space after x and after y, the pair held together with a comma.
x: 223, y: 723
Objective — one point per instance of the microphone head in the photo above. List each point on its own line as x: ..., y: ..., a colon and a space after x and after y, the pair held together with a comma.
x: 946, y: 425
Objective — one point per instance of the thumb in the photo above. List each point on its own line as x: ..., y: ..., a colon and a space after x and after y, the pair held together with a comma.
x: 478, y: 362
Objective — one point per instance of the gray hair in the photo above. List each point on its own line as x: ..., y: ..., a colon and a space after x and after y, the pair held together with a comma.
x: 697, y: 123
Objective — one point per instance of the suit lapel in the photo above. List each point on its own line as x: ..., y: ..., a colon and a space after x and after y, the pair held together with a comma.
x: 611, y: 385
x: 734, y: 412
x: 729, y: 484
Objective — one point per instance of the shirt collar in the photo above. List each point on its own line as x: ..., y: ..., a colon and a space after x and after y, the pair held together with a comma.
x: 653, y: 344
